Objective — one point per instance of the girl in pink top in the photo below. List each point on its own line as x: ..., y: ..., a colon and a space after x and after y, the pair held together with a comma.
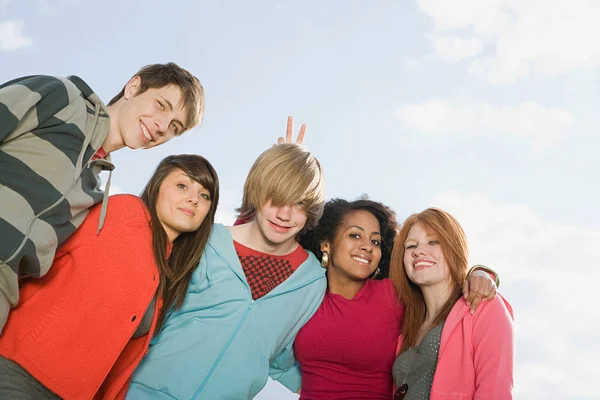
x: 445, y: 351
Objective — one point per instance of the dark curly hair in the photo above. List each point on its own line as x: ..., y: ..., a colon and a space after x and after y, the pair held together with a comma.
x: 334, y: 213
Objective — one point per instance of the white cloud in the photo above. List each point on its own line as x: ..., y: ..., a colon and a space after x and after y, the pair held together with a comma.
x: 440, y: 116
x: 513, y: 39
x: 549, y: 273
x: 455, y: 48
x: 12, y: 37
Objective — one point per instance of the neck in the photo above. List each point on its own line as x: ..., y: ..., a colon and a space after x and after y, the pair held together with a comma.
x: 342, y: 286
x: 171, y: 234
x: 435, y: 297
x: 251, y: 236
x: 113, y: 140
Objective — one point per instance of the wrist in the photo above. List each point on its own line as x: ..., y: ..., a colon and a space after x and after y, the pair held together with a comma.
x: 480, y: 267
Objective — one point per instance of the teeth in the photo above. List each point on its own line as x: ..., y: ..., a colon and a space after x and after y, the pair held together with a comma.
x: 146, y: 133
x: 360, y: 260
x: 423, y: 264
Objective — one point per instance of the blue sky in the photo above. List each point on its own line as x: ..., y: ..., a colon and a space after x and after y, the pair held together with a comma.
x: 487, y: 108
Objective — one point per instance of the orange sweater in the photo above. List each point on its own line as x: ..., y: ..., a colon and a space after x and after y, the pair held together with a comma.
x: 72, y: 328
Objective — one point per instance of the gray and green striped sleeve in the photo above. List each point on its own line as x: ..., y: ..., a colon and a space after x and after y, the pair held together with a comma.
x: 27, y: 102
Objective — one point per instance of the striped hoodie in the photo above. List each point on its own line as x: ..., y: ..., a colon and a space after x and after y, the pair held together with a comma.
x: 50, y: 128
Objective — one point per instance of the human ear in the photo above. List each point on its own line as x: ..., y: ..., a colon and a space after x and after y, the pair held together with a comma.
x: 132, y: 87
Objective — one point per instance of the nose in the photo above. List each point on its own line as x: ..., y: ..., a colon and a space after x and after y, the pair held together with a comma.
x: 418, y: 251
x: 367, y: 245
x: 162, y: 123
x: 193, y: 198
x: 284, y: 212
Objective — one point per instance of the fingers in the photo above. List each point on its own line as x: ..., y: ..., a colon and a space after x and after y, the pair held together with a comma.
x: 490, y: 292
x: 289, y: 131
x: 479, y: 294
x: 475, y: 303
x: 280, y: 140
x: 300, y: 138
x: 465, y: 289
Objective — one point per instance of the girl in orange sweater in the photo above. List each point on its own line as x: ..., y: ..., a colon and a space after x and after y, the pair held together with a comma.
x: 79, y: 332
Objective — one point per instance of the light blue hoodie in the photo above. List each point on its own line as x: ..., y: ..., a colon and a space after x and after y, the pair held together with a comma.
x: 222, y: 344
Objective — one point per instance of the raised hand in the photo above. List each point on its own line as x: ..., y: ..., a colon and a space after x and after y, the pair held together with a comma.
x: 289, y: 133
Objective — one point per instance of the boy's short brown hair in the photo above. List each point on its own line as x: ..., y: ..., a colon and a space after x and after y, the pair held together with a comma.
x: 285, y: 174
x: 160, y: 75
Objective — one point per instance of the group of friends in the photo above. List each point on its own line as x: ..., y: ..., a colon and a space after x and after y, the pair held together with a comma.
x: 148, y: 298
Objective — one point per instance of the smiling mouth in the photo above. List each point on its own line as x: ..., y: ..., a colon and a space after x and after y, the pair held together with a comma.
x: 186, y: 211
x: 146, y: 132
x: 279, y: 228
x: 361, y: 260
x: 423, y: 265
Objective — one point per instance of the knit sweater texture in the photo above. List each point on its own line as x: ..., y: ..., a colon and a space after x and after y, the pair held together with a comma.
x: 72, y: 328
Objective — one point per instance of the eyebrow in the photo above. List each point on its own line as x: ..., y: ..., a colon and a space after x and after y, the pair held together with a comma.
x: 363, y: 229
x: 170, y: 106
x: 409, y: 239
x: 184, y: 175
x: 191, y: 179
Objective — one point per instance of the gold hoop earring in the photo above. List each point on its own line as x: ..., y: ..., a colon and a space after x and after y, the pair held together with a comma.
x: 377, y: 271
x: 325, y: 259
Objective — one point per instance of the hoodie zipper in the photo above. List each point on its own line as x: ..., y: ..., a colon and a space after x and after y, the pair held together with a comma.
x: 241, y: 323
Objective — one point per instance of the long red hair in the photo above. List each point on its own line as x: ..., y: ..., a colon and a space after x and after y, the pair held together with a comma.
x: 453, y: 242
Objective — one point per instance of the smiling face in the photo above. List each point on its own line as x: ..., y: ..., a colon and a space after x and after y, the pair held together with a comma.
x: 182, y: 204
x: 151, y: 118
x: 424, y: 261
x: 279, y: 225
x: 356, y: 248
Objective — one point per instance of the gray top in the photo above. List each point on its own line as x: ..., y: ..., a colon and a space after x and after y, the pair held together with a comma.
x: 18, y: 384
x: 416, y: 366
x: 146, y: 322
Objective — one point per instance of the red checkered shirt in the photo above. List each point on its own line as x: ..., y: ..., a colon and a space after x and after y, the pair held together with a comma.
x: 265, y: 271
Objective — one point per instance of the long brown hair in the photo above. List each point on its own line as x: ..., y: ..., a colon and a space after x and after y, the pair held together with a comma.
x: 453, y: 242
x: 176, y: 271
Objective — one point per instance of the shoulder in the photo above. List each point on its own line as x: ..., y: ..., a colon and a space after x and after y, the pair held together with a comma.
x: 123, y: 208
x: 220, y: 234
x: 51, y: 92
x: 495, y: 309
x: 496, y: 313
x: 42, y: 84
x: 311, y: 260
x: 385, y: 291
x: 384, y: 288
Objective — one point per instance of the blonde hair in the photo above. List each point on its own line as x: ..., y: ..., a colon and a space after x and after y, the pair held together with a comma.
x: 453, y: 243
x: 285, y: 174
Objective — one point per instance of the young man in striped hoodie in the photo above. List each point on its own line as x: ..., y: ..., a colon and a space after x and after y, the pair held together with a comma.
x: 56, y: 136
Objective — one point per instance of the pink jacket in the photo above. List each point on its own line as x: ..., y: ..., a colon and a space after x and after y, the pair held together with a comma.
x: 476, y: 358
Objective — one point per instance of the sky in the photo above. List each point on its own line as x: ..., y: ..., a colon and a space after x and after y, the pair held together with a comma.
x: 485, y: 108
